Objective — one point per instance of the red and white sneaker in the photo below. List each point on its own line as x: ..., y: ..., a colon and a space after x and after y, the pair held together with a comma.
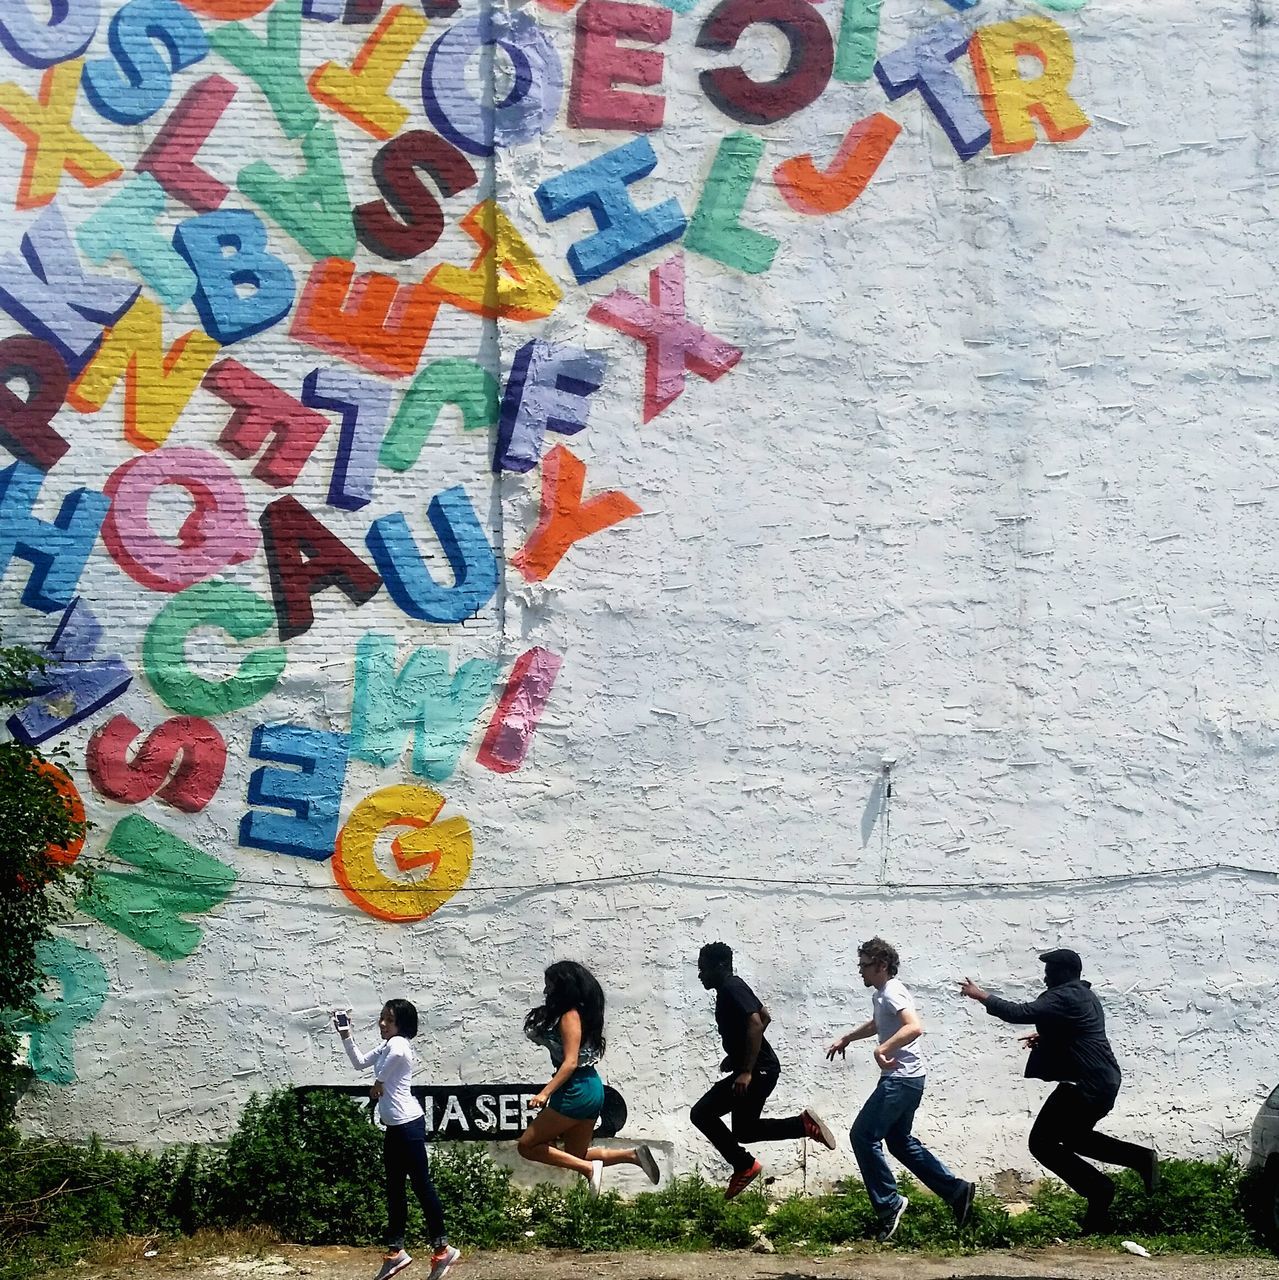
x: 740, y: 1181
x: 393, y: 1264
x: 443, y: 1261
x: 817, y: 1129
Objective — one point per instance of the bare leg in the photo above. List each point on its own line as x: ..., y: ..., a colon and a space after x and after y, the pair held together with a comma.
x: 576, y: 1141
x: 537, y: 1142
x: 612, y: 1155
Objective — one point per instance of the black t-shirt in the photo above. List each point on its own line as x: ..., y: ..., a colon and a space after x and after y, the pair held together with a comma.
x: 734, y: 1004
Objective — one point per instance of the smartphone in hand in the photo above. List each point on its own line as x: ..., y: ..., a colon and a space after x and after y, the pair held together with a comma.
x: 341, y: 1020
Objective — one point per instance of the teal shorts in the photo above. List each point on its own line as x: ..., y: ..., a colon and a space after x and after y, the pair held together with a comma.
x: 581, y: 1097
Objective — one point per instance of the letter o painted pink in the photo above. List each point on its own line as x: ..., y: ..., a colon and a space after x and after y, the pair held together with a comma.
x: 215, y: 535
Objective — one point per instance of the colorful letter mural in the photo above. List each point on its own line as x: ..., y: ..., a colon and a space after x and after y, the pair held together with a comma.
x: 352, y: 358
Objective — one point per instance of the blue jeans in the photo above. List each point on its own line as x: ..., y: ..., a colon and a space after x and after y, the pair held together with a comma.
x: 886, y: 1118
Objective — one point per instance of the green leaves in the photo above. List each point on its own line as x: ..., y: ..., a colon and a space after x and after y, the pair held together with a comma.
x: 310, y: 1169
x: 38, y: 820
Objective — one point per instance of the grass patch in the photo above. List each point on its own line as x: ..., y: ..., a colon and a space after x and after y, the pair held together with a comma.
x: 310, y: 1172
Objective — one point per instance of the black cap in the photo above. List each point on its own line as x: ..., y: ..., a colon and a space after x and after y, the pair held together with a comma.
x: 1063, y: 958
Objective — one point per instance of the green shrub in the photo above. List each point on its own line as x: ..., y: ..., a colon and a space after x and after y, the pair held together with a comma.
x: 484, y: 1210
x: 310, y: 1169
x: 310, y: 1166
x: 666, y: 1217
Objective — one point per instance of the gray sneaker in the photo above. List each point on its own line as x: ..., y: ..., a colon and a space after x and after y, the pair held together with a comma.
x: 644, y: 1158
x: 595, y: 1180
x: 442, y: 1262
x: 393, y: 1264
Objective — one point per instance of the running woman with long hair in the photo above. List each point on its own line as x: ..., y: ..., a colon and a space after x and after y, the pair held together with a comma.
x: 404, y: 1142
x: 570, y: 1024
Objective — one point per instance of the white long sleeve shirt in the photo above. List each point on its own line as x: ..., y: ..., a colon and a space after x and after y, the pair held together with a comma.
x: 392, y: 1063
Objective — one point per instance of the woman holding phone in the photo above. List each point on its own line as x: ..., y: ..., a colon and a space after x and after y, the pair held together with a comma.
x: 570, y: 1025
x: 404, y: 1142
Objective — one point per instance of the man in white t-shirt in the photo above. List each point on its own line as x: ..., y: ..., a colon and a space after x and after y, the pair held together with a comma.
x: 889, y: 1112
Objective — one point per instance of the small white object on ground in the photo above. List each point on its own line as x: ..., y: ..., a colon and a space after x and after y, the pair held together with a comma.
x: 1133, y: 1247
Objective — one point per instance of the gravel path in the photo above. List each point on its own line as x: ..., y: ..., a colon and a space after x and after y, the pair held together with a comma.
x: 360, y: 1264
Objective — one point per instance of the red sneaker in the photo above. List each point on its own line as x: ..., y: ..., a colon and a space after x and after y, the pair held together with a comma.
x: 740, y: 1181
x: 817, y: 1129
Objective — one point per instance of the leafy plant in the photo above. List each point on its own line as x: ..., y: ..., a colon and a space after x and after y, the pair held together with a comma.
x: 483, y: 1207
x: 308, y: 1168
x: 309, y: 1165
x: 39, y: 823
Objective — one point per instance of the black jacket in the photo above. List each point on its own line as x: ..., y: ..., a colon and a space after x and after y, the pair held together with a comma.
x: 1072, y: 1038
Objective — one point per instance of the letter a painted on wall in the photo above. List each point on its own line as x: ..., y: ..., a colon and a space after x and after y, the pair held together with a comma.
x: 305, y: 558
x: 505, y: 281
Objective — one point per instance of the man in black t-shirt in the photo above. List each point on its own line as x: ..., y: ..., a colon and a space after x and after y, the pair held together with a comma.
x: 753, y: 1070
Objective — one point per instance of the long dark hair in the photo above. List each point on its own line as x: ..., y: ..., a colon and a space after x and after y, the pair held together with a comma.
x: 570, y: 985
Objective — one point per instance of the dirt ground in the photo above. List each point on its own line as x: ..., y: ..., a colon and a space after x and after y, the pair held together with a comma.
x: 288, y: 1261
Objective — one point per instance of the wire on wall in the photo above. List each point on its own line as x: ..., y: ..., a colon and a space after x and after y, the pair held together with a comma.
x: 716, y: 879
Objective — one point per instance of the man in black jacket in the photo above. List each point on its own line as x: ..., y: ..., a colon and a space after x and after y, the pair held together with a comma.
x: 1069, y: 1045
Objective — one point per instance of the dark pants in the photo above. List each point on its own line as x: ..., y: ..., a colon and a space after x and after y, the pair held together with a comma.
x: 1064, y: 1130
x: 886, y: 1118
x: 404, y: 1155
x: 720, y: 1100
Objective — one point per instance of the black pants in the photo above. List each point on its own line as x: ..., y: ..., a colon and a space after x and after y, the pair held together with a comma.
x: 720, y: 1100
x: 1064, y: 1130
x: 404, y: 1155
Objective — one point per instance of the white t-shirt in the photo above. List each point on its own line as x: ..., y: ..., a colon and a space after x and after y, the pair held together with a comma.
x: 392, y: 1063
x: 888, y: 1003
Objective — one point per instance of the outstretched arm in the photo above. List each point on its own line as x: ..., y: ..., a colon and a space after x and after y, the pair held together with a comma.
x: 864, y: 1032
x: 1008, y: 1010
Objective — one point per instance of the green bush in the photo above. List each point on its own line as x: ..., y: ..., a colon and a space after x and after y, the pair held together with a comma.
x: 483, y: 1209
x: 307, y: 1165
x: 309, y: 1168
